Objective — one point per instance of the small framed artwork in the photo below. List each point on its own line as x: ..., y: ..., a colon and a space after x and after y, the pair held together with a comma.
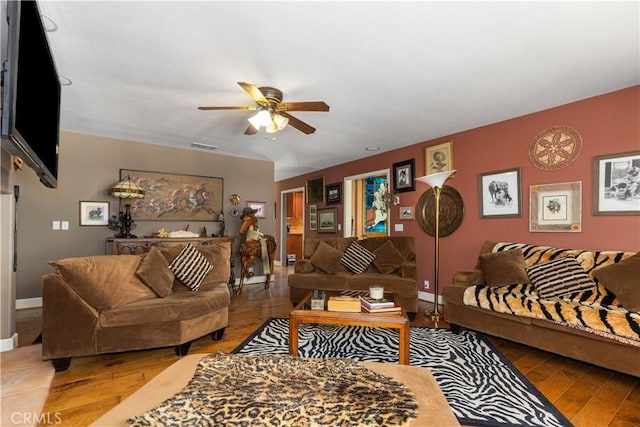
x: 259, y: 207
x: 439, y: 158
x: 616, y: 184
x: 313, y: 217
x: 327, y: 220
x: 406, y: 212
x: 500, y: 193
x: 556, y: 207
x: 94, y: 213
x: 334, y: 194
x: 315, y: 190
x: 404, y: 175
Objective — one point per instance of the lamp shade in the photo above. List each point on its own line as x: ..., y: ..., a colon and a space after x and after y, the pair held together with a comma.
x: 262, y: 118
x: 127, y: 189
x: 436, y: 179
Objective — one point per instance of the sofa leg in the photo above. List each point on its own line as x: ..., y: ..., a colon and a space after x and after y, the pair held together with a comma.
x: 61, y: 364
x: 455, y: 328
x: 182, y: 349
x: 217, y: 335
x: 411, y: 316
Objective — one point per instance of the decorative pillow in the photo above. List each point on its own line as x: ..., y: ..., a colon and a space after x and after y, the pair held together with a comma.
x: 326, y: 258
x: 387, y: 258
x: 623, y: 279
x: 503, y: 268
x: 191, y: 267
x: 356, y: 258
x: 560, y: 277
x: 154, y: 272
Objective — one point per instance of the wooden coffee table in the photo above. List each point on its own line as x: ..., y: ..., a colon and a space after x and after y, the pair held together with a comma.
x: 302, y: 313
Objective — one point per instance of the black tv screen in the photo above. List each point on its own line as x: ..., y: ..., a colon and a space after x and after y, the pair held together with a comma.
x: 31, y: 93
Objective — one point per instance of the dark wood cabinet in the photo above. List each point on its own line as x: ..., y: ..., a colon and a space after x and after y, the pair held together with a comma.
x: 143, y: 244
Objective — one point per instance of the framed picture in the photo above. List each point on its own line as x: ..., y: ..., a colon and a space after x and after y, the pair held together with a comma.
x: 616, y: 184
x: 500, y: 193
x: 313, y: 217
x: 439, y: 158
x: 334, y: 194
x: 556, y: 207
x: 174, y: 197
x: 315, y: 190
x: 406, y: 212
x: 260, y: 207
x: 404, y: 175
x: 94, y: 213
x: 327, y: 220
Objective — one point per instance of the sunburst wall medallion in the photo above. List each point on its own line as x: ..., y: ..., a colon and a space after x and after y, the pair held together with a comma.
x: 555, y: 148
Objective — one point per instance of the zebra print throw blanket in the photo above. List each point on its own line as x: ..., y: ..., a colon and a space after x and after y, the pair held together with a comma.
x: 596, y: 311
x: 479, y: 383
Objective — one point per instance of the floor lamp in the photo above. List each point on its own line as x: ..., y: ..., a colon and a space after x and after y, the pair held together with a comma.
x: 436, y: 181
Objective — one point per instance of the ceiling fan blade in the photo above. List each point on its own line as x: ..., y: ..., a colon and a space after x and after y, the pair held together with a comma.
x: 250, y: 130
x: 254, y: 93
x: 302, y: 106
x: 228, y: 108
x: 299, y: 124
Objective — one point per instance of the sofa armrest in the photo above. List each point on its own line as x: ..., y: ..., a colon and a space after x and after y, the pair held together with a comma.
x: 303, y: 266
x: 409, y: 270
x: 69, y: 323
x: 468, y: 277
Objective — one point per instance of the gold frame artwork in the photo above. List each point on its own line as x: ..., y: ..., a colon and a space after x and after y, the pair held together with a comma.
x: 444, y: 160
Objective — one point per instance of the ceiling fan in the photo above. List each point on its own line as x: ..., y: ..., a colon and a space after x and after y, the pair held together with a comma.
x: 273, y: 114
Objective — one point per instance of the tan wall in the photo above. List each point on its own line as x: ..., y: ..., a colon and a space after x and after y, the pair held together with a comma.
x: 89, y: 166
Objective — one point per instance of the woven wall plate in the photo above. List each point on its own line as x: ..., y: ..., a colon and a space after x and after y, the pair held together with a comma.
x: 451, y: 211
x: 555, y: 148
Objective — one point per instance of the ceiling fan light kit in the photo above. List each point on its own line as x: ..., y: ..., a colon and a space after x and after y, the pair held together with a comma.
x: 272, y: 112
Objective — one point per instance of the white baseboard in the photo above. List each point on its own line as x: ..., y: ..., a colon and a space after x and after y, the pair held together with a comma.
x: 428, y: 297
x: 28, y: 303
x: 9, y: 343
x: 255, y: 279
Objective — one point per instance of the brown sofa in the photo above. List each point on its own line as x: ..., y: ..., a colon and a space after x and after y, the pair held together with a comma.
x: 394, y: 267
x: 592, y: 325
x: 114, y: 303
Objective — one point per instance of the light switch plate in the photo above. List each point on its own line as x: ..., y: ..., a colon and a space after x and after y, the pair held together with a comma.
x: 399, y: 227
x: 56, y: 225
x: 65, y: 225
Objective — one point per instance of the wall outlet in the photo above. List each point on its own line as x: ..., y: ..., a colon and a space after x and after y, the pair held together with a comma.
x: 426, y: 285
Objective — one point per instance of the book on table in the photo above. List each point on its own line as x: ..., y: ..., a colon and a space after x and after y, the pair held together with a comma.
x: 394, y: 309
x: 370, y: 303
x: 344, y: 303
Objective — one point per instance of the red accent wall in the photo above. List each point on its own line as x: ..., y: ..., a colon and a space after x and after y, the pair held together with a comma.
x: 608, y: 124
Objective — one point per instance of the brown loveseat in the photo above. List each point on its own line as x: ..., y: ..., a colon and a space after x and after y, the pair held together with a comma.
x: 526, y: 294
x: 394, y: 267
x: 114, y: 303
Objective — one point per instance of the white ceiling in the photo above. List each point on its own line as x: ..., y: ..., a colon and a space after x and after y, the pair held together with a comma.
x: 393, y: 73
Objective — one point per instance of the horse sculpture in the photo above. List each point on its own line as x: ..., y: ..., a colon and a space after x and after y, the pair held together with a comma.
x: 251, y: 249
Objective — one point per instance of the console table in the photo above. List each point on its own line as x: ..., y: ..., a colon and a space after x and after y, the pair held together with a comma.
x: 141, y: 245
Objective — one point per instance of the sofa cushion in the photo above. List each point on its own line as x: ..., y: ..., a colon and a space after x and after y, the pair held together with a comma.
x: 560, y: 277
x: 327, y: 258
x: 218, y: 255
x: 387, y: 258
x: 503, y: 268
x: 104, y: 281
x: 623, y: 279
x: 191, y: 267
x: 154, y: 272
x: 356, y: 258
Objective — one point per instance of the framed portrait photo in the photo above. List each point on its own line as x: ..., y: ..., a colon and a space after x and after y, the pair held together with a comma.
x: 616, y: 184
x: 556, y: 207
x: 94, y: 213
x: 260, y: 208
x: 406, y: 212
x: 404, y: 176
x: 334, y: 194
x: 439, y: 158
x: 500, y: 193
x: 327, y: 220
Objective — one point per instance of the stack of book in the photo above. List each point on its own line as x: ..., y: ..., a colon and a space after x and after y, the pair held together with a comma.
x: 370, y: 305
x: 344, y: 303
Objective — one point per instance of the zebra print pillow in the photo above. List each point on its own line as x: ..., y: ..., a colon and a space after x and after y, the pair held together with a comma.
x: 357, y: 258
x: 191, y: 267
x: 559, y: 277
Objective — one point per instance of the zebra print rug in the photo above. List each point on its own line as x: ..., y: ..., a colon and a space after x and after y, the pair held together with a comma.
x: 480, y: 384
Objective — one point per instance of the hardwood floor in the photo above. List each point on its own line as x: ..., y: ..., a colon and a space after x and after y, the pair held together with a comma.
x: 585, y: 394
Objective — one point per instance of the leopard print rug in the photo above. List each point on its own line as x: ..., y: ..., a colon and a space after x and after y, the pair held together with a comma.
x: 280, y: 390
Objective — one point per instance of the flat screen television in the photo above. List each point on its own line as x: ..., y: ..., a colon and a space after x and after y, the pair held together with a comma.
x: 31, y: 93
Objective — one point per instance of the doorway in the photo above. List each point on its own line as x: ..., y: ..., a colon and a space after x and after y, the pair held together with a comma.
x: 292, y: 226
